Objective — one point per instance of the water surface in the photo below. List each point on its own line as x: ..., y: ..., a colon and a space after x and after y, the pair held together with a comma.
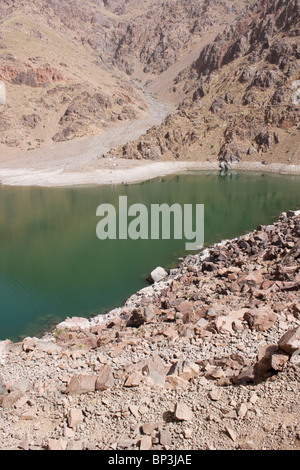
x: 52, y: 265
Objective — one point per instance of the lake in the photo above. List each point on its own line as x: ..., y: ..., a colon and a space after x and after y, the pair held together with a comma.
x: 53, y: 266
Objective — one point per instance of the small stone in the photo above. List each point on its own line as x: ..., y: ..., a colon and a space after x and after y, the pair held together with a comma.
x: 69, y: 433
x: 253, y: 399
x: 242, y: 410
x: 295, y: 358
x: 143, y: 409
x: 133, y: 380
x: 218, y: 373
x: 249, y: 445
x: 231, y: 414
x: 211, y: 313
x: 148, y: 428
x: 105, y: 378
x: 28, y: 344
x: 176, y: 382
x: 24, y: 445
x: 134, y: 409
x: 155, y: 369
x: 81, y: 384
x: 74, y: 446
x: 260, y: 319
x: 29, y: 415
x: 21, y: 402
x: 125, y: 442
x: 231, y: 433
x: 165, y: 438
x: 183, y: 412
x: 149, y: 314
x: 102, y: 359
x: 57, y: 444
x: 187, y: 433
x: 9, y: 399
x: 278, y: 361
x: 184, y: 369
x: 75, y: 417
x: 215, y: 394
x: 145, y: 443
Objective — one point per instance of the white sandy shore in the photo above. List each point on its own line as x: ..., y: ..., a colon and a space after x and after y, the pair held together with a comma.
x: 123, y: 171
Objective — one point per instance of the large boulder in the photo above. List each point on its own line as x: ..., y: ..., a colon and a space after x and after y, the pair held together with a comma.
x: 290, y: 341
x: 260, y: 319
x: 80, y: 383
x: 157, y: 275
x: 105, y: 378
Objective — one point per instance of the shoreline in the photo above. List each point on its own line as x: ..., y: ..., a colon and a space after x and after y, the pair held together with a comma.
x: 121, y: 171
x: 136, y: 299
x: 172, y: 369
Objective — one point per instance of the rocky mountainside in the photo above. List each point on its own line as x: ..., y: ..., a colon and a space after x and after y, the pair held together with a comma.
x: 205, y: 358
x: 58, y: 86
x: 159, y: 37
x: 73, y: 69
x: 241, y: 95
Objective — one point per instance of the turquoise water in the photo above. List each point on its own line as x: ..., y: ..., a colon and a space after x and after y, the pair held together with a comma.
x: 52, y: 265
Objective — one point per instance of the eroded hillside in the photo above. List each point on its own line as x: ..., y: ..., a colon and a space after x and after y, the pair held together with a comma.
x: 73, y: 69
x: 241, y: 95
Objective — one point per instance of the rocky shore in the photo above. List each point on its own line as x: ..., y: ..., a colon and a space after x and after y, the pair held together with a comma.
x: 205, y: 358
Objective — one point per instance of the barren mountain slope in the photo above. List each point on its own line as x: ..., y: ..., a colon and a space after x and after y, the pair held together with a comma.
x: 57, y: 86
x: 73, y: 69
x: 242, y: 95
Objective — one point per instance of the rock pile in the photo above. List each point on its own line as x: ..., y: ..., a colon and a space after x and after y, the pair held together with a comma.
x: 207, y: 358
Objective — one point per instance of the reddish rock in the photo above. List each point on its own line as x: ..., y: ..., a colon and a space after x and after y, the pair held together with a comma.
x: 183, y: 412
x: 8, y: 400
x: 261, y: 318
x: 75, y: 417
x: 80, y: 383
x: 57, y: 444
x: 133, y: 380
x: 145, y: 443
x: 105, y: 378
x: 253, y: 279
x: 278, y: 361
x: 184, y: 369
x: 155, y: 368
x: 290, y: 341
x: 165, y: 438
x: 28, y: 344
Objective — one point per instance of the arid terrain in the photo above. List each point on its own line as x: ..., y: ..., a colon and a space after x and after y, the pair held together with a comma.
x: 73, y: 70
x: 113, y: 91
x: 204, y: 83
x: 240, y: 96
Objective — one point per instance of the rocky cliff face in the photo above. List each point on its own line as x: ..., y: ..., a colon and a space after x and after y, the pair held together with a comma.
x: 241, y: 95
x: 158, y: 37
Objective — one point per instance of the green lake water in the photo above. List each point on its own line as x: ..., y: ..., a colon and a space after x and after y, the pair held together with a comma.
x: 53, y: 266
